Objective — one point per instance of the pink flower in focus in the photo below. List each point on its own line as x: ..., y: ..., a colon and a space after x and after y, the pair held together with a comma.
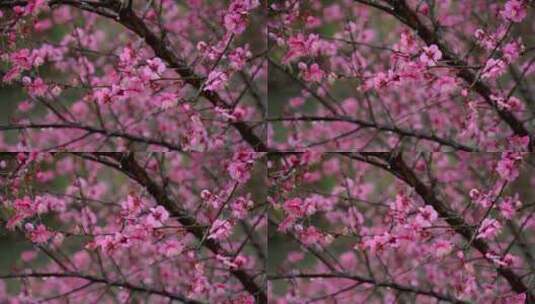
x: 426, y: 216
x: 33, y: 6
x: 441, y: 248
x: 128, y: 57
x: 39, y: 234
x: 238, y: 58
x: 103, y: 95
x: 511, y: 51
x: 235, y: 22
x: 11, y: 74
x: 508, y: 165
x: 240, y: 207
x: 132, y: 206
x: 380, y: 81
x: 401, y: 206
x: 157, y: 217
x: 220, y: 229
x: 238, y: 114
x: 493, y: 68
x: 239, y: 171
x: 513, y: 104
x: 508, y: 207
x: 235, y: 19
x: 294, y: 207
x: 430, y: 55
x: 379, y: 243
x: 310, y: 235
x: 206, y: 194
x: 171, y: 248
x: 37, y: 87
x: 24, y: 207
x: 299, y: 46
x: 22, y: 59
x: 508, y: 260
x: 312, y: 73
x: 489, y: 229
x: 216, y: 81
x: 156, y: 65
x: 515, y: 10
x: 167, y: 100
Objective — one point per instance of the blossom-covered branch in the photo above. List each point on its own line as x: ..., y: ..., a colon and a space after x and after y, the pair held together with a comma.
x: 421, y: 74
x: 431, y: 222
x: 395, y: 164
x: 127, y: 227
x: 153, y: 87
x: 128, y: 165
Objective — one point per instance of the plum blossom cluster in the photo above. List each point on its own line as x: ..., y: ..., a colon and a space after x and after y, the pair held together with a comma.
x: 139, y: 227
x: 26, y: 208
x: 332, y: 188
x: 193, y: 238
x: 161, y: 79
x: 353, y: 223
x: 372, y: 76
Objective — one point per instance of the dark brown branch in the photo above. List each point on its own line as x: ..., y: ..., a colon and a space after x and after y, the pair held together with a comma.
x: 385, y: 128
x: 94, y: 279
x: 362, y: 279
x: 93, y: 130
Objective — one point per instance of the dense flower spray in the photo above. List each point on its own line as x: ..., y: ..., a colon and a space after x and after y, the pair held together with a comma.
x: 358, y: 131
x: 153, y: 237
